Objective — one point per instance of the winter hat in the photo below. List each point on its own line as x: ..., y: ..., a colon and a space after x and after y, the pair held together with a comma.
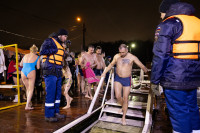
x: 164, y: 6
x: 180, y: 8
x: 62, y: 32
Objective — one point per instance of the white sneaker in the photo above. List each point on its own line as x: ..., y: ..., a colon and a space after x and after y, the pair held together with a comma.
x: 16, y: 99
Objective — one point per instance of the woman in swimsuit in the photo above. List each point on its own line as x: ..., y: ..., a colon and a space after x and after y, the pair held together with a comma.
x: 67, y: 84
x: 28, y: 73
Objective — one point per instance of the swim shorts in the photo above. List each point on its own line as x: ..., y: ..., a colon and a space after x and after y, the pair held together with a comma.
x: 98, y: 72
x: 124, y: 81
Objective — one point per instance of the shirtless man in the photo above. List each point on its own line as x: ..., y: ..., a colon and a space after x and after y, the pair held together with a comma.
x: 89, y: 57
x: 100, y: 64
x: 124, y: 61
x: 82, y: 79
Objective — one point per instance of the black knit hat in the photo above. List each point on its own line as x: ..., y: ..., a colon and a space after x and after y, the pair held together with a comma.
x: 180, y: 8
x: 164, y: 6
x: 62, y: 32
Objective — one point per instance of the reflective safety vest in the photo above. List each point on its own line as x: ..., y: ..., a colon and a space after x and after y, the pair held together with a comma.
x: 187, y: 46
x: 55, y: 58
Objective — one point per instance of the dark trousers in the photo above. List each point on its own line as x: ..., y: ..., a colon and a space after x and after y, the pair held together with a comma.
x: 53, y: 95
x: 183, y: 110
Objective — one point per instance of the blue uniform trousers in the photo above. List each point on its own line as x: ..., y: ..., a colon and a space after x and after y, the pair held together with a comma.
x: 53, y: 95
x: 183, y: 110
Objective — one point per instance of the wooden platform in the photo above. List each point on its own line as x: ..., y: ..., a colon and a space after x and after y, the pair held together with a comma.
x: 18, y: 120
x: 103, y: 127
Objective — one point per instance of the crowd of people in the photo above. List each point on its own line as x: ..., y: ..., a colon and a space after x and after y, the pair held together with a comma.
x: 176, y: 69
x: 62, y: 72
x: 59, y: 69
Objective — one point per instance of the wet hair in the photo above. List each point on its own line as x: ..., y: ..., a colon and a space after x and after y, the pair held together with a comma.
x: 34, y: 49
x: 123, y: 46
x: 90, y: 46
x: 98, y: 47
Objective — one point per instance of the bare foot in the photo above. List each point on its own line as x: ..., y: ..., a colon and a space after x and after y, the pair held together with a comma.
x: 87, y: 96
x: 91, y: 98
x: 29, y: 108
x: 70, y: 100
x: 66, y: 107
x: 120, y: 110
x: 30, y: 104
x: 124, y: 121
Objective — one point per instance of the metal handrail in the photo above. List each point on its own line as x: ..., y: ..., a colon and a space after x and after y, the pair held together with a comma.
x: 104, y: 97
x: 88, y: 114
x: 96, y: 94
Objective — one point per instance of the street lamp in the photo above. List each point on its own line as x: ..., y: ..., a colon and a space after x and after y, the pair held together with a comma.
x: 78, y: 19
x: 84, y: 30
x: 132, y: 46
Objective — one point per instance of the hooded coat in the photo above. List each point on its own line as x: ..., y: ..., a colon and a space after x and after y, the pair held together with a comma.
x: 172, y: 73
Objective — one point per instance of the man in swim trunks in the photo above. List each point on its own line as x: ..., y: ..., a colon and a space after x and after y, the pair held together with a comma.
x: 124, y: 62
x: 89, y: 57
x: 98, y: 70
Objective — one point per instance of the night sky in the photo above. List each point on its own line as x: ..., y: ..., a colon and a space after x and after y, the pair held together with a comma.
x: 106, y: 20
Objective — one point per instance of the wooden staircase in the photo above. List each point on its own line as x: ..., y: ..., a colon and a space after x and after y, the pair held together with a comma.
x: 138, y: 113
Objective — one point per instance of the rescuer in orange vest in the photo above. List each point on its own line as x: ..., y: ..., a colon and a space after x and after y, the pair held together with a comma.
x: 176, y: 66
x: 53, y: 52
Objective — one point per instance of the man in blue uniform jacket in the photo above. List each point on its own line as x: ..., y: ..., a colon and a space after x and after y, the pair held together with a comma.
x: 176, y: 66
x: 53, y: 51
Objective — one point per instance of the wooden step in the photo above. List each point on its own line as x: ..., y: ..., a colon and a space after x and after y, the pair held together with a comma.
x: 135, y: 85
x: 145, y: 81
x: 101, y: 127
x: 131, y: 104
x: 130, y: 112
x: 139, y: 91
x: 129, y: 122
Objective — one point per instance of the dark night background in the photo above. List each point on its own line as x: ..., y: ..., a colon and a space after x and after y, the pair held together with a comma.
x: 107, y: 22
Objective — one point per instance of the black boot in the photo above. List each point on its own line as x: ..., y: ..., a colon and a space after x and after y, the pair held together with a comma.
x: 60, y: 116
x: 51, y: 119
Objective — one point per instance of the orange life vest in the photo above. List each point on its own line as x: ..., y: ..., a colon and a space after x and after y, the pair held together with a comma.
x: 55, y: 58
x: 187, y: 46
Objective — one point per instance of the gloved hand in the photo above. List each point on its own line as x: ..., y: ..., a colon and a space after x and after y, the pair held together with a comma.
x: 155, y: 89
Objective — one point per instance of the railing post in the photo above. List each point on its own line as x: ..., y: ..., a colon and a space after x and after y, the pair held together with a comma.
x: 96, y: 94
x: 17, y: 68
x: 106, y: 87
x: 141, y: 75
x: 112, y: 86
